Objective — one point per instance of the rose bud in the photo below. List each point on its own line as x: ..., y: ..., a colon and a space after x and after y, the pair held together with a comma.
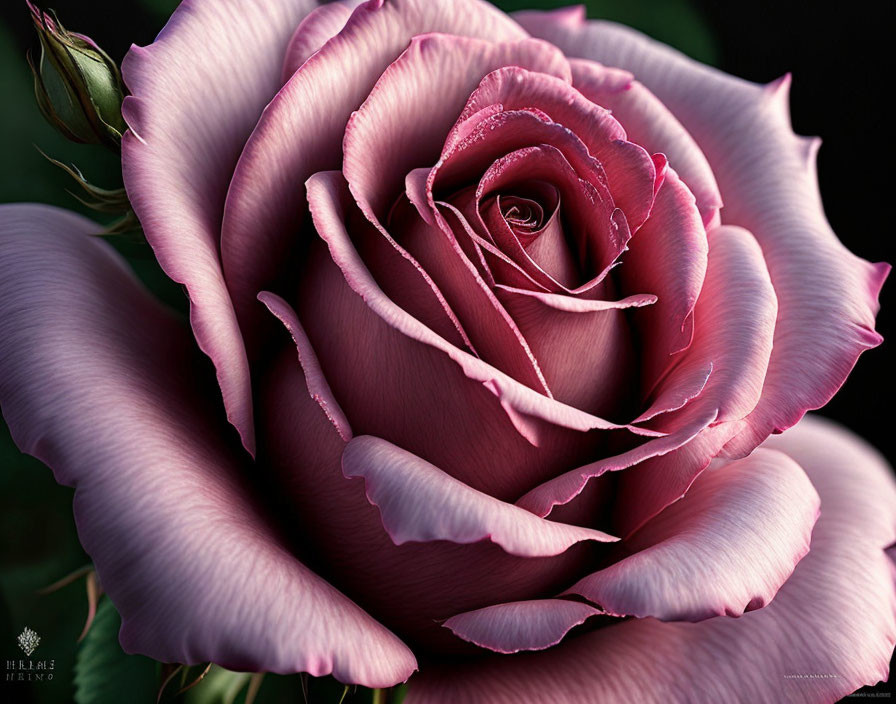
x: 78, y: 87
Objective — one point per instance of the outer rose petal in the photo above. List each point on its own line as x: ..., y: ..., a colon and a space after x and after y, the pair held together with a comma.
x: 301, y: 131
x: 100, y: 382
x: 321, y: 24
x: 827, y: 296
x: 723, y: 549
x: 189, y: 115
x: 830, y: 629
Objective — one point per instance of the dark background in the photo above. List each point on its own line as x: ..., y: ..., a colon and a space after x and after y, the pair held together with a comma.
x: 842, y: 81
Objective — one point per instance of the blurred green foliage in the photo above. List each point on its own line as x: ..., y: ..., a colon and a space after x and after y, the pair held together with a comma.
x: 104, y: 673
x: 39, y: 544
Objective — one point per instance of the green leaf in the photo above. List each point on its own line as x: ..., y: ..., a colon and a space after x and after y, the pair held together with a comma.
x: 675, y: 22
x: 220, y: 686
x: 104, y: 673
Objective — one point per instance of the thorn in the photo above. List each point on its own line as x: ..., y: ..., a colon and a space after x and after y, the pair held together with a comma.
x: 303, y: 677
x: 168, y: 678
x: 196, y: 681
x: 254, y: 686
x: 65, y: 581
x: 94, y: 592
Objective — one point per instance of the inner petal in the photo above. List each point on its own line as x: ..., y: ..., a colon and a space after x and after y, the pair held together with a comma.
x: 529, y: 221
x: 584, y: 240
x: 524, y: 216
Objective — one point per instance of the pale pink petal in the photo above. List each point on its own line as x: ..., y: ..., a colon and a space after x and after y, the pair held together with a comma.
x: 301, y: 131
x: 105, y: 386
x: 569, y: 304
x: 421, y: 503
x: 321, y: 24
x: 189, y: 114
x: 724, y: 549
x: 521, y: 625
x: 416, y: 101
x: 830, y: 629
x: 827, y: 296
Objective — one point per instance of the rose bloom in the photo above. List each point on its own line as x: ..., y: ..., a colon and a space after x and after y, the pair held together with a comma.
x: 503, y: 311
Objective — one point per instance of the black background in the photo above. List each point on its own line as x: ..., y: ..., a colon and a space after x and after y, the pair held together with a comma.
x: 842, y: 66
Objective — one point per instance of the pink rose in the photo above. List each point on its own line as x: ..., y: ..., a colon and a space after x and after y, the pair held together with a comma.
x: 529, y: 306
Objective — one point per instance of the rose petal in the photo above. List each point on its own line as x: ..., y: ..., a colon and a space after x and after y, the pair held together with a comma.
x: 630, y: 171
x: 724, y: 549
x: 265, y: 205
x: 315, y: 380
x: 586, y: 354
x: 667, y: 258
x: 318, y: 27
x: 600, y: 234
x: 403, y: 364
x: 738, y: 311
x: 419, y: 502
x: 492, y: 331
x: 411, y: 587
x: 649, y: 122
x: 520, y: 625
x: 416, y: 101
x: 101, y: 383
x: 177, y: 162
x: 563, y: 488
x: 827, y: 296
x: 830, y: 629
